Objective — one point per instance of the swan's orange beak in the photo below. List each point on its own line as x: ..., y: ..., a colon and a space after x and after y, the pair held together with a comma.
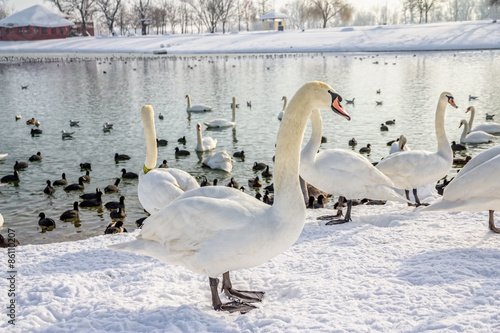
x: 468, y: 109
x: 460, y: 125
x: 339, y: 109
x: 451, y: 100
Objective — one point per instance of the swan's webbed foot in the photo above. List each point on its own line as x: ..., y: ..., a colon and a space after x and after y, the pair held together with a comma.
x: 240, y: 295
x: 492, y: 222
x: 234, y: 306
x: 329, y: 217
x: 230, y: 307
x: 347, y: 217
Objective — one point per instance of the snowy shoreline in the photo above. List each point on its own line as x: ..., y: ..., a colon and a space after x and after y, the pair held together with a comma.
x: 471, y: 35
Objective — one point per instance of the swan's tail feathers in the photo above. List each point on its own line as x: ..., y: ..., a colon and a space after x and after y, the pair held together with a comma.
x: 142, y: 247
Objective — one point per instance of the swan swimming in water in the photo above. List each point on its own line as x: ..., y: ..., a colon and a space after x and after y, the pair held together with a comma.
x: 474, y: 137
x: 414, y: 168
x: 282, y: 112
x: 475, y: 188
x: 196, y: 107
x: 491, y: 128
x: 158, y: 187
x: 221, y: 123
x: 204, y: 143
x: 342, y: 172
x: 216, y: 229
x: 219, y: 161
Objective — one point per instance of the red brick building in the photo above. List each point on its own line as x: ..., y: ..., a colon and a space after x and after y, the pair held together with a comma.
x: 34, y: 23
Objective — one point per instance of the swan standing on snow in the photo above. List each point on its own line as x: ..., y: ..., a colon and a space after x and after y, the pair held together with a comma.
x: 204, y: 143
x: 282, y: 112
x: 158, y: 187
x: 196, y: 107
x: 220, y: 161
x: 474, y: 137
x: 491, y: 128
x: 221, y: 123
x: 414, y: 168
x: 342, y: 172
x: 399, y: 145
x: 216, y: 229
x: 475, y: 188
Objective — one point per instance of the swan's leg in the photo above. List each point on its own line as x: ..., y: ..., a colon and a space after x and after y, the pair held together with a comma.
x: 492, y: 222
x: 242, y: 295
x: 231, y: 306
x: 407, y: 192
x: 340, y: 205
x: 417, y: 200
x: 347, y: 217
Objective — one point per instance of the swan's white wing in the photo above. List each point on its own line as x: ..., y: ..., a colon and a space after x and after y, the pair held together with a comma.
x: 351, y: 175
x: 219, y: 123
x: 414, y: 168
x: 479, y: 159
x: 159, y: 187
x: 488, y: 128
x: 476, y: 190
x: 478, y: 137
x: 199, y: 107
x: 197, y: 229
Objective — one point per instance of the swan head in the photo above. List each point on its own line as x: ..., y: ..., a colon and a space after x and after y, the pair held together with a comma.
x: 471, y: 109
x: 450, y: 99
x: 336, y: 106
x: 463, y: 122
x: 198, y: 127
x: 402, y: 141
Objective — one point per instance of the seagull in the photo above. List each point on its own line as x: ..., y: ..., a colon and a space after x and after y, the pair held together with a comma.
x: 66, y: 134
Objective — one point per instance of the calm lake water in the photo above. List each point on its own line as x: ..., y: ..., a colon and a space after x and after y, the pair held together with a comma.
x: 107, y: 88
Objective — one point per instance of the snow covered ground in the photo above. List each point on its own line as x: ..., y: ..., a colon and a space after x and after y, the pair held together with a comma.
x: 393, y: 269
x: 435, y: 36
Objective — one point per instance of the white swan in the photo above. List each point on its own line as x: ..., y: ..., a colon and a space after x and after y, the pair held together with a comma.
x: 414, y: 168
x: 196, y: 107
x: 220, y: 123
x: 204, y: 143
x: 2, y: 156
x: 399, y: 145
x: 492, y: 128
x: 475, y: 188
x: 220, y: 161
x: 474, y: 137
x: 342, y: 172
x: 282, y: 112
x: 215, y: 229
x: 1, y: 221
x: 158, y: 187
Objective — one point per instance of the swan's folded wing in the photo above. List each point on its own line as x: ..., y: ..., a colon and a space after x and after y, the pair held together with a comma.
x: 481, y: 182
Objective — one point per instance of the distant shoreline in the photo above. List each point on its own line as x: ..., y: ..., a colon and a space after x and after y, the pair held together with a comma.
x: 432, y: 37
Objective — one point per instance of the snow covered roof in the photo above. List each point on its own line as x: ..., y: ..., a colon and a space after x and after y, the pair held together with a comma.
x: 37, y: 16
x: 273, y: 15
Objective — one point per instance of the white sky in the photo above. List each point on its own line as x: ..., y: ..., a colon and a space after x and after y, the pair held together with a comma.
x: 23, y: 4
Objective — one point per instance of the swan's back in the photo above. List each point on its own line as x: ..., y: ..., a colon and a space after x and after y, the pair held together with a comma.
x: 414, y: 168
x: 159, y: 187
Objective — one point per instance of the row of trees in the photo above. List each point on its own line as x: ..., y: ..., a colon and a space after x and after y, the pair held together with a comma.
x: 184, y: 16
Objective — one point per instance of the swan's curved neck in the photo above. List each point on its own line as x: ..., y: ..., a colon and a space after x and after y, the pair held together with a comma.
x: 444, y: 147
x: 471, y: 119
x: 150, y: 136
x: 310, y: 149
x: 189, y: 100
x: 465, y: 131
x: 234, y: 110
x: 199, y: 139
x: 287, y: 193
x: 284, y: 103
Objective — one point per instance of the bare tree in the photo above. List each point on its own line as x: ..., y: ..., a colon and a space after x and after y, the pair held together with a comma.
x: 172, y: 14
x: 246, y: 13
x: 109, y: 8
x: 298, y: 13
x: 226, y: 9
x: 207, y: 12
x: 142, y: 8
x: 425, y: 6
x: 328, y: 9
x: 5, y: 9
x: 83, y: 9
